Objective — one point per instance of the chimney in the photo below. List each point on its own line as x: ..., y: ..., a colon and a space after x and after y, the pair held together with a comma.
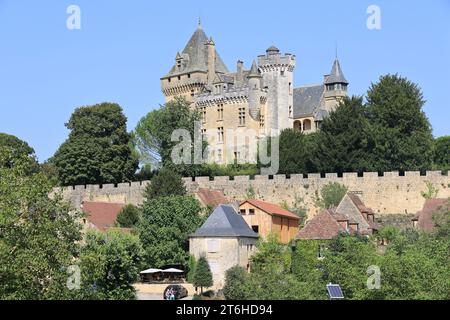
x: 211, y: 60
x: 240, y: 71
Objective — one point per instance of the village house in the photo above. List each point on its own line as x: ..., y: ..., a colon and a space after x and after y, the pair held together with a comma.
x: 351, y: 217
x: 101, y: 216
x: 423, y: 220
x: 267, y: 218
x: 225, y: 240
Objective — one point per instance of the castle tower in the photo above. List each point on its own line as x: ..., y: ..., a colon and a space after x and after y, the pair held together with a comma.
x: 254, y: 95
x: 195, y: 67
x: 335, y: 86
x: 277, y: 72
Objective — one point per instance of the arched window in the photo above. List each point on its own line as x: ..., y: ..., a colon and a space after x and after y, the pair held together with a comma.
x: 298, y: 125
x: 307, y: 125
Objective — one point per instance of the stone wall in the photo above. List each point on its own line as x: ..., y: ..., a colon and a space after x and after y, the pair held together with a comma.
x: 390, y: 193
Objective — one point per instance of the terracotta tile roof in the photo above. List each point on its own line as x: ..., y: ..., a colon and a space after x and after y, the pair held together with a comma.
x: 322, y: 227
x: 359, y: 215
x: 102, y: 215
x: 425, y: 216
x: 211, y: 197
x: 272, y: 209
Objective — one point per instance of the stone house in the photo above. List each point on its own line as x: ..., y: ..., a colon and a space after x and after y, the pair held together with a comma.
x: 351, y: 216
x: 265, y: 218
x: 240, y: 107
x: 225, y: 240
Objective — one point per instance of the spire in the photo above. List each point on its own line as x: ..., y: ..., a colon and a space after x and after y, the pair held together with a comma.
x: 254, y: 72
x: 336, y: 75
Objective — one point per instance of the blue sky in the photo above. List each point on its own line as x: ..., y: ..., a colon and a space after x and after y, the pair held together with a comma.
x: 124, y: 47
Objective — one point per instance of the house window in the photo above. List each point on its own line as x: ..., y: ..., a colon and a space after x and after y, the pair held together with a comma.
x: 237, y: 155
x: 213, y: 245
x: 255, y: 229
x: 251, y: 212
x: 242, y: 116
x: 220, y: 112
x: 220, y: 134
x: 243, y: 212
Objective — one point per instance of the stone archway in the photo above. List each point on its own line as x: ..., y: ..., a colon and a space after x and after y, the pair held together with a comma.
x: 298, y: 125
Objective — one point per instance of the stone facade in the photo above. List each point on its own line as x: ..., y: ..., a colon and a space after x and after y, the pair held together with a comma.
x: 240, y: 107
x: 391, y: 193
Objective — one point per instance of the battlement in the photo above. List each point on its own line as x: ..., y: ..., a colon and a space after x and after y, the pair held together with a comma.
x: 389, y: 192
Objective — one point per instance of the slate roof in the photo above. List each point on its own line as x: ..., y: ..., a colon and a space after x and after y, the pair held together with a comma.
x: 424, y: 217
x: 254, y: 72
x: 307, y: 100
x: 272, y: 209
x: 195, y: 55
x: 336, y: 75
x: 224, y: 222
x: 322, y: 227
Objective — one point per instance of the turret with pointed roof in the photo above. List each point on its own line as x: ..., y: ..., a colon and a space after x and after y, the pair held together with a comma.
x: 336, y: 75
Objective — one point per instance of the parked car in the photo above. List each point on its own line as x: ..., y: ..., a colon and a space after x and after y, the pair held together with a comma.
x: 175, y: 292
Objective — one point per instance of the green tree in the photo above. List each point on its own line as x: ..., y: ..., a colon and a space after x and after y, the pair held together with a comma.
x: 39, y: 235
x: 99, y: 149
x: 129, y: 216
x: 343, y: 143
x: 164, y: 228
x: 346, y: 263
x: 235, y: 283
x: 331, y: 195
x: 110, y: 263
x: 203, y: 276
x: 19, y: 151
x: 295, y: 150
x: 442, y: 153
x: 400, y: 129
x: 154, y: 135
x: 165, y: 183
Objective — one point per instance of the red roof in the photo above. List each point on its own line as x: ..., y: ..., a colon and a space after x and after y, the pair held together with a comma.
x: 322, y: 227
x: 102, y: 215
x: 272, y: 209
x: 211, y: 197
x: 425, y: 216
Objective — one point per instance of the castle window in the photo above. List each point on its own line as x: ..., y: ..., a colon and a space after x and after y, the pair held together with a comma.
x: 237, y: 156
x: 261, y: 121
x: 203, y: 115
x: 179, y: 77
x: 220, y: 112
x: 290, y: 111
x: 189, y: 75
x: 219, y: 155
x: 168, y: 80
x: 220, y: 134
x: 192, y: 93
x: 242, y: 116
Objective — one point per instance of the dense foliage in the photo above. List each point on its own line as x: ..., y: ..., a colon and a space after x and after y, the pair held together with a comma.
x: 17, y: 150
x: 128, y: 217
x: 110, y: 263
x: 165, y: 183
x: 38, y: 234
x: 164, y: 228
x: 442, y: 153
x: 414, y: 265
x: 99, y: 149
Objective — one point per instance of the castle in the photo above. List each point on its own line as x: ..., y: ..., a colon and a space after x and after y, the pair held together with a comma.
x: 240, y: 107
